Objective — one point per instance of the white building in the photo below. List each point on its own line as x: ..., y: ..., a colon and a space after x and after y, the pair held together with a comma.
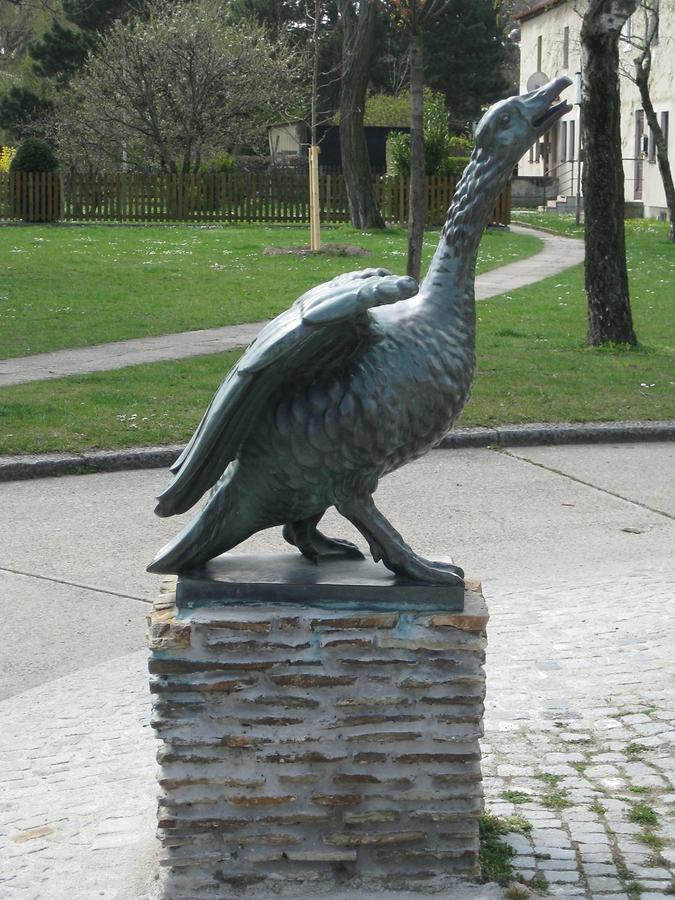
x: 550, y: 47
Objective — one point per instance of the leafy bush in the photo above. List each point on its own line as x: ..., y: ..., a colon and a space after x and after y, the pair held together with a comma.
x: 220, y: 164
x: 454, y: 165
x: 34, y: 155
x: 460, y: 145
x: 443, y: 154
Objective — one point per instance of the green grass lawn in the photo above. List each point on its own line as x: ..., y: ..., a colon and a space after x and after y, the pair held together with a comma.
x: 76, y: 286
x: 533, y: 366
x: 562, y: 224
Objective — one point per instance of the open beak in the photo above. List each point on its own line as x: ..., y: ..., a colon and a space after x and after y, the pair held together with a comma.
x: 541, y: 105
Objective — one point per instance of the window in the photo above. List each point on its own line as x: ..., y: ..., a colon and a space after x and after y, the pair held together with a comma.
x: 539, y: 53
x: 563, y: 142
x: 652, y: 147
x: 531, y: 157
x: 572, y: 141
x: 566, y: 47
x: 664, y: 126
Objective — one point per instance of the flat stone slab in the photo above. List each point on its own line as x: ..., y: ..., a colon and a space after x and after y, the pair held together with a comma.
x: 340, y: 584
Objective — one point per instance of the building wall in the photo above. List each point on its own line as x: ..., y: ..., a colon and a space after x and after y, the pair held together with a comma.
x: 543, y: 37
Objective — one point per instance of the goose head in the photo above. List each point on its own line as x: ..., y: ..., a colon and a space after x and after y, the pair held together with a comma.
x: 511, y: 126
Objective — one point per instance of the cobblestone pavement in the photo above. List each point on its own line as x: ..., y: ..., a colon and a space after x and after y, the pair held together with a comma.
x: 578, y: 756
x: 556, y: 255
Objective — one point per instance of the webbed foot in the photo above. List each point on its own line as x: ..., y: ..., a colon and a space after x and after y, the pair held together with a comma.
x: 314, y: 545
x: 386, y: 544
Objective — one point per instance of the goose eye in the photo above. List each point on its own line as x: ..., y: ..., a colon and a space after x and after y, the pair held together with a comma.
x: 505, y: 118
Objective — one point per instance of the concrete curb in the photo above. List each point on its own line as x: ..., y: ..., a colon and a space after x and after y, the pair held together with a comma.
x: 560, y: 433
x: 16, y: 468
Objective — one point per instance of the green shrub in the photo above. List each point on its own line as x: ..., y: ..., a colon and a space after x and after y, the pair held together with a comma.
x: 460, y: 145
x: 27, y: 203
x: 34, y: 155
x: 443, y: 154
x: 453, y: 165
x: 218, y: 165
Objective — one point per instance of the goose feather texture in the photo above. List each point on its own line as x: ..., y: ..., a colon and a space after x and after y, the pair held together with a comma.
x: 359, y: 376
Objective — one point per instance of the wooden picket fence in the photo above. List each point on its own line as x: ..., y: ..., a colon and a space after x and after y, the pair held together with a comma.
x: 238, y: 197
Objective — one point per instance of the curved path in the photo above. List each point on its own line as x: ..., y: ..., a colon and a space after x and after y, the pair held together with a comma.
x: 557, y: 254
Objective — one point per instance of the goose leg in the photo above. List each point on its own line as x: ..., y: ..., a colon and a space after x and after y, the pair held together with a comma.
x: 313, y: 544
x: 387, y: 544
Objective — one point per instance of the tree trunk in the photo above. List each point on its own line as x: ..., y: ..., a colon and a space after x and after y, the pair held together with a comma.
x: 642, y: 81
x: 417, y: 206
x: 609, y: 313
x: 357, y: 48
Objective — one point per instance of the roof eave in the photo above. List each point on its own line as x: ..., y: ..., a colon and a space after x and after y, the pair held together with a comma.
x: 539, y: 10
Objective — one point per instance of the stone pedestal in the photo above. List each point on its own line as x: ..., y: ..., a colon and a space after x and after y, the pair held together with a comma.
x: 304, y: 746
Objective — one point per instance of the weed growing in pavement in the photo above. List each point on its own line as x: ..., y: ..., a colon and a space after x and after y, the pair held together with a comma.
x: 638, y: 789
x: 548, y: 778
x: 634, y: 889
x: 556, y: 799
x: 517, y: 824
x: 651, y: 839
x: 598, y: 808
x: 539, y: 883
x: 516, y: 797
x: 642, y: 814
x: 495, y: 856
x: 516, y: 892
x: 634, y: 751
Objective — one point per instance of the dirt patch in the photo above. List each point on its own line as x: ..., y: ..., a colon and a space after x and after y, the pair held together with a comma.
x: 326, y: 250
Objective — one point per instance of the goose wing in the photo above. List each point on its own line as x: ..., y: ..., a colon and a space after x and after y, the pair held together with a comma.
x: 322, y: 328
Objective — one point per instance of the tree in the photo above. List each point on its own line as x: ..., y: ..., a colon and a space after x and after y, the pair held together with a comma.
x: 416, y: 17
x: 641, y: 41
x: 22, y: 100
x: 358, y: 22
x: 311, y: 28
x: 609, y: 313
x: 63, y: 49
x: 173, y: 89
x: 45, y: 42
x: 20, y: 109
x: 465, y: 55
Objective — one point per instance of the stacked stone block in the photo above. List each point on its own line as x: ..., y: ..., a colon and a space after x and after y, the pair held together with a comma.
x: 302, y: 748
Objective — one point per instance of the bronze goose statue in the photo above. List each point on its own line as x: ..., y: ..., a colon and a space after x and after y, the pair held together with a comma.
x: 361, y: 375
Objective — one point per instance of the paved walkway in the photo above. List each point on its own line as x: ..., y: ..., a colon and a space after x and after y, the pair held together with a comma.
x: 580, y: 730
x: 580, y: 719
x: 557, y: 255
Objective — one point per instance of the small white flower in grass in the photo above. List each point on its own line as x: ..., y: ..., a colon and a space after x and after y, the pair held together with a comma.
x: 644, y: 384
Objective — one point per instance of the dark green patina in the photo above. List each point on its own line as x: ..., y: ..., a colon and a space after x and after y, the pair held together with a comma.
x: 361, y: 375
x: 340, y: 584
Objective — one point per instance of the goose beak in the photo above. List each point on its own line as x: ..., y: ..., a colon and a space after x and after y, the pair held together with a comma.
x: 541, y: 106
